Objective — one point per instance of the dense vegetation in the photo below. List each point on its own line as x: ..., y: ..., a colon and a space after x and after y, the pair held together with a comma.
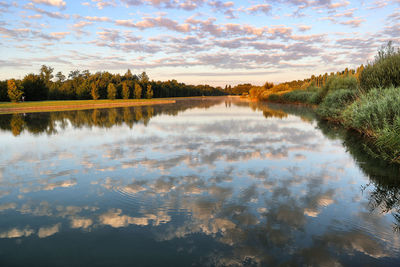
x: 101, y: 85
x: 366, y: 100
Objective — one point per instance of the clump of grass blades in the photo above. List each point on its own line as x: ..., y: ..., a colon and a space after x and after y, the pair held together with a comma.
x: 388, y: 142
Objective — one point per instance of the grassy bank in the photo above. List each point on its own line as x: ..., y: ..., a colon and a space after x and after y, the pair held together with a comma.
x: 369, y: 104
x: 40, y: 106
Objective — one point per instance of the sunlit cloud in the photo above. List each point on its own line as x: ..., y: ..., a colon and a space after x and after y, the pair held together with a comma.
x: 57, y: 3
x: 16, y: 233
x: 49, y: 230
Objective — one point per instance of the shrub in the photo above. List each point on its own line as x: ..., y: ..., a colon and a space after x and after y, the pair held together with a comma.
x: 335, y: 102
x: 298, y: 96
x: 374, y: 111
x: 340, y: 82
x: 274, y: 98
x: 384, y: 71
x: 316, y: 97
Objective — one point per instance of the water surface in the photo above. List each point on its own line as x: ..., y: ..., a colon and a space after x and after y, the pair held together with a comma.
x: 203, y: 182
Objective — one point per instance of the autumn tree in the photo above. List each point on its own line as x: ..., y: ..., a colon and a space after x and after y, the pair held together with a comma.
x: 149, y: 92
x: 94, y: 91
x: 14, y: 93
x: 125, y: 90
x: 138, y: 91
x: 268, y: 85
x: 111, y: 91
x: 83, y: 90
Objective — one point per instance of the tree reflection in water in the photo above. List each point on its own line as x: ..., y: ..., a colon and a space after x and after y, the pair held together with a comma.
x: 179, y: 192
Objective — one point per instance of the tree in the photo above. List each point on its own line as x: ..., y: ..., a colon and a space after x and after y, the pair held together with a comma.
x: 125, y: 90
x: 111, y: 91
x: 3, y: 91
x: 74, y: 73
x: 35, y: 87
x: 46, y: 74
x: 83, y: 90
x: 149, y: 92
x: 138, y: 91
x: 60, y: 76
x: 14, y: 93
x: 268, y: 85
x: 144, y: 78
x: 94, y: 92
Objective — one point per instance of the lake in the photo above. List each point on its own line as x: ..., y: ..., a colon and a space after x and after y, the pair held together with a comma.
x: 206, y: 182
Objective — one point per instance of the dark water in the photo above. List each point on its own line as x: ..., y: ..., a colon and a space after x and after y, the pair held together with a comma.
x: 197, y: 183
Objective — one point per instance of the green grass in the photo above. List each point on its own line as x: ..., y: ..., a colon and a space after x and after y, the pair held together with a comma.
x: 374, y: 111
x: 334, y: 103
x: 47, y: 106
x: 377, y: 114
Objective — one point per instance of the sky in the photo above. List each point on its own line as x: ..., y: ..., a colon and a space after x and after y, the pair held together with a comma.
x: 197, y: 41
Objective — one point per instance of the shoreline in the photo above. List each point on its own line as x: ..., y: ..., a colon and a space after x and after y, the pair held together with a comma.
x: 63, y: 105
x: 76, y: 106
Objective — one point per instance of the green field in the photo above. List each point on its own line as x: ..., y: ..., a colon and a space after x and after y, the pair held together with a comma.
x: 38, y: 106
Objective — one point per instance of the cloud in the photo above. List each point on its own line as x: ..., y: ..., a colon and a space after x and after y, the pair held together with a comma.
x: 36, y: 16
x: 57, y: 3
x: 355, y: 23
x: 16, y: 233
x: 304, y: 28
x: 378, y: 4
x: 158, y: 22
x: 100, y: 4
x: 132, y: 2
x: 7, y: 206
x: 102, y: 19
x: 81, y: 223
x: 54, y: 15
x: 60, y: 184
x: 49, y: 231
x: 114, y: 219
x: 264, y: 8
x: 82, y: 24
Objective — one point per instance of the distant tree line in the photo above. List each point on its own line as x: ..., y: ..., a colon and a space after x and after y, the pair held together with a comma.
x: 100, y: 85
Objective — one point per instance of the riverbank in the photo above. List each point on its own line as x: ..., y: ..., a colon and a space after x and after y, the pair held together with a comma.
x: 60, y: 105
x: 367, y: 101
x: 374, y: 114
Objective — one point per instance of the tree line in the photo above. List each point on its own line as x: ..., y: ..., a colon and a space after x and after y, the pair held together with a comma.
x: 83, y: 85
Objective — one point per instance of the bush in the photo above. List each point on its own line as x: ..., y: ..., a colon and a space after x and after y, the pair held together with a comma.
x: 335, y: 102
x: 340, y: 82
x: 374, y: 111
x: 298, y: 96
x: 274, y: 98
x: 316, y: 97
x: 384, y: 71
